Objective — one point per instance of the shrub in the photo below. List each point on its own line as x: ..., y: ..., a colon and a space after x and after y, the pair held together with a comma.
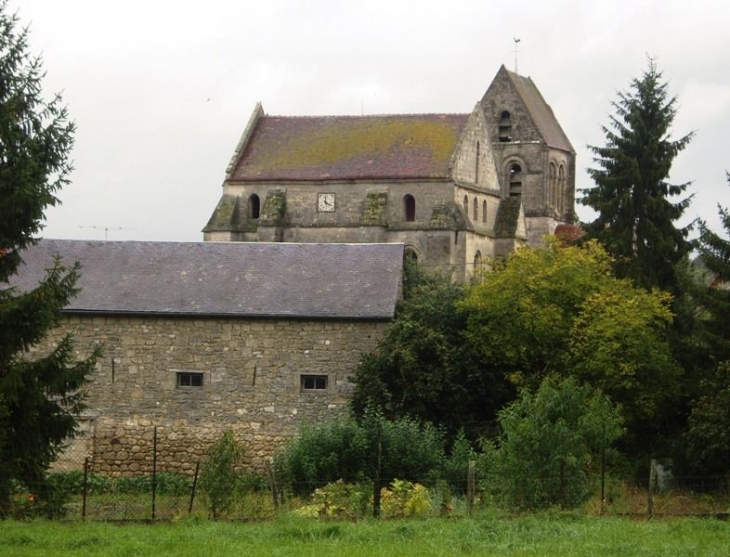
x: 338, y: 500
x: 219, y: 475
x: 549, y: 441
x: 353, y: 452
x: 322, y: 454
x: 405, y: 499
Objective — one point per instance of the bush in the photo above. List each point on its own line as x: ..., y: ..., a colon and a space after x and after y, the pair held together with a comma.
x: 405, y: 499
x: 549, y: 441
x: 353, y: 452
x: 323, y: 454
x: 338, y: 500
x: 219, y: 474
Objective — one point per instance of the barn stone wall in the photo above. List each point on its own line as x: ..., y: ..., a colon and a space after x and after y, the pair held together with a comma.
x: 252, y: 383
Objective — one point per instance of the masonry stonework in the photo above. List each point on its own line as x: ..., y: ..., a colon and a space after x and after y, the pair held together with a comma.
x: 251, y: 384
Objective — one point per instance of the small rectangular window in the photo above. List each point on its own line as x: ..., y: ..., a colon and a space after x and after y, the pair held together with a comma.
x: 314, y: 382
x: 189, y: 379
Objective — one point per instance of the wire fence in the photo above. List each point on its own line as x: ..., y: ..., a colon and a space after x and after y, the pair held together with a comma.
x: 155, y: 492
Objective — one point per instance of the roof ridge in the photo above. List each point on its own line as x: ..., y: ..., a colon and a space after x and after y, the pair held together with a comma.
x: 395, y: 115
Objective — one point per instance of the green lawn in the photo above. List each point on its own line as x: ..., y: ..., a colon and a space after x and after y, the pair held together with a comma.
x: 540, y: 535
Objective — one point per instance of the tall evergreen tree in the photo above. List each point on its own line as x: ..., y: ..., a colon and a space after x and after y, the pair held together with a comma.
x: 636, y: 220
x: 715, y: 254
x: 708, y: 436
x: 39, y: 397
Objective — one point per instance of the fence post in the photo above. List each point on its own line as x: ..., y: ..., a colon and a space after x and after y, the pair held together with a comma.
x: 86, y: 488
x: 154, y: 470
x: 195, y: 485
x: 471, y: 487
x: 603, y: 468
x: 272, y: 485
x: 376, y: 479
x: 650, y: 491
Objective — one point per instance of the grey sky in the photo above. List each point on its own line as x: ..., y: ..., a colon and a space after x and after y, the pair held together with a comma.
x: 162, y: 89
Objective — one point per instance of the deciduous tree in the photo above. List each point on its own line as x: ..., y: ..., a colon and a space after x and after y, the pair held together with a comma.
x: 424, y: 367
x: 560, y: 311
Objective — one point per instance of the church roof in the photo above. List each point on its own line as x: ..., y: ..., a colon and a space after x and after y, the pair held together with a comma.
x: 541, y: 113
x: 349, y: 147
x: 337, y: 281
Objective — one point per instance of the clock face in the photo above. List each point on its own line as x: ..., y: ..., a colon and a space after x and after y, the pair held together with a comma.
x: 326, y: 202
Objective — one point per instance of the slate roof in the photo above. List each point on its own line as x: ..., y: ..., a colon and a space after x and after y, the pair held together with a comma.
x: 347, y: 281
x: 350, y: 147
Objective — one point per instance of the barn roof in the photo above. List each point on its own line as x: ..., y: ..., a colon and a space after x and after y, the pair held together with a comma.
x: 338, y: 281
x: 349, y: 147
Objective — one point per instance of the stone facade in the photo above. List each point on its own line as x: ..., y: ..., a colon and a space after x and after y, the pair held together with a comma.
x: 438, y: 183
x: 252, y: 382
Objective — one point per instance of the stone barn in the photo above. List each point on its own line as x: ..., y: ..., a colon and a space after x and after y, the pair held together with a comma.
x: 200, y: 338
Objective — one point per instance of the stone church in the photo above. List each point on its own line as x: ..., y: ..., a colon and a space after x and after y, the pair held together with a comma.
x: 458, y: 190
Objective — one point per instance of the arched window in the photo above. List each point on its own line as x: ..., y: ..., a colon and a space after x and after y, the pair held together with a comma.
x: 409, y: 207
x: 561, y: 188
x: 254, y: 206
x: 410, y: 254
x: 476, y: 210
x: 477, y: 260
x: 466, y: 205
x: 484, y: 211
x: 476, y: 165
x: 505, y: 127
x: 514, y: 178
x: 553, y: 186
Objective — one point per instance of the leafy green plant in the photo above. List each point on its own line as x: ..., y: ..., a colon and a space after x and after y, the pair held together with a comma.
x: 354, y: 452
x: 405, y: 499
x: 549, y: 441
x: 219, y: 474
x: 338, y: 500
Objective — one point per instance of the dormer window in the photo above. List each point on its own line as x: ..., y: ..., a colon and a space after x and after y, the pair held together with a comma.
x: 505, y: 127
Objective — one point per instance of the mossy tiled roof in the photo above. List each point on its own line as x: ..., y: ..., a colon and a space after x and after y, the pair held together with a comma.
x: 350, y: 147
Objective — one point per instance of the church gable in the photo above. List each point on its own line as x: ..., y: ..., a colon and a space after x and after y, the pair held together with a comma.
x: 516, y: 111
x: 301, y: 148
x: 474, y: 162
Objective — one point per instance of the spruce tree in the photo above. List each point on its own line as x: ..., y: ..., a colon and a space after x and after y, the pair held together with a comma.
x: 714, y: 253
x: 707, y: 440
x: 637, y: 220
x: 40, y: 397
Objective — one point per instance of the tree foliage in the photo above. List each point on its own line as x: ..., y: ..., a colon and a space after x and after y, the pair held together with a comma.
x: 557, y: 310
x: 714, y: 297
x: 708, y: 434
x: 220, y: 474
x: 360, y: 451
x: 39, y: 398
x: 550, y: 440
x: 424, y: 366
x: 636, y: 220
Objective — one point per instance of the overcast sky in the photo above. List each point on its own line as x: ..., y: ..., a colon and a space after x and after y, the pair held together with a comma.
x: 161, y: 89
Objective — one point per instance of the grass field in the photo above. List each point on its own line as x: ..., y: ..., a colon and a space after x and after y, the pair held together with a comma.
x: 542, y: 535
